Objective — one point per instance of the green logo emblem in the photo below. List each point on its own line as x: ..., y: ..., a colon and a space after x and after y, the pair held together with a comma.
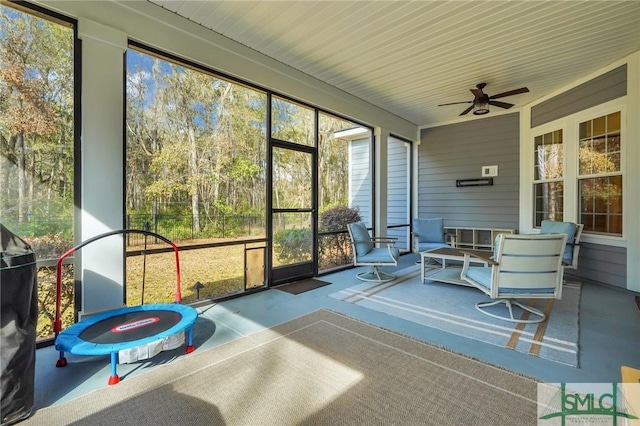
x: 583, y: 403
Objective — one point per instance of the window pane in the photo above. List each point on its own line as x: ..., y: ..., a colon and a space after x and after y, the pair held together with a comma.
x: 585, y: 130
x: 613, y: 143
x: 587, y: 220
x: 195, y: 166
x: 292, y: 238
x: 37, y: 124
x: 600, y: 223
x: 601, y: 153
x: 599, y: 145
x: 291, y: 179
x: 585, y: 157
x: 599, y: 126
x: 548, y: 156
x: 613, y: 122
x: 548, y: 201
x: 292, y: 122
x: 615, y: 224
x: 37, y: 150
x: 613, y: 162
x: 601, y: 204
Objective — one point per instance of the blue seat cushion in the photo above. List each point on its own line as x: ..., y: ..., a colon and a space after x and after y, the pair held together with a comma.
x: 429, y: 230
x: 380, y: 255
x: 553, y: 227
x: 482, y: 276
x: 361, y: 238
x: 431, y: 246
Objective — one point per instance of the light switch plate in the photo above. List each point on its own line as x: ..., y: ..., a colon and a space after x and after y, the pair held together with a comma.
x: 489, y: 171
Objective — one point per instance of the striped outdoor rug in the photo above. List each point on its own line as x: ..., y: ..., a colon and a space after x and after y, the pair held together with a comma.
x: 451, y: 308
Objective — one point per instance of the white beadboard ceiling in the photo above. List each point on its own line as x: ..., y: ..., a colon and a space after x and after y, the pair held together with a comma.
x: 409, y: 56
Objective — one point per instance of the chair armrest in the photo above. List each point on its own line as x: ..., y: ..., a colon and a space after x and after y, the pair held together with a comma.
x: 384, y: 239
x: 488, y: 258
x: 389, y: 241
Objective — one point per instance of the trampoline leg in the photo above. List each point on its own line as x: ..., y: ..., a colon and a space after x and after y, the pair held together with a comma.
x: 190, y: 347
x: 62, y: 361
x: 114, y: 379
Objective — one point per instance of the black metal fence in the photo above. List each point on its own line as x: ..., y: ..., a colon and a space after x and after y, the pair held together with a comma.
x: 192, y: 227
x: 58, y: 231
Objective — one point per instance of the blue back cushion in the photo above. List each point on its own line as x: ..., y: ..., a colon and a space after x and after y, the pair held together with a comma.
x: 553, y: 227
x: 361, y: 238
x: 429, y: 230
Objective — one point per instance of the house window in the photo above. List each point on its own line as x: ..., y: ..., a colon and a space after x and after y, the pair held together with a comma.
x: 548, y: 184
x: 599, y: 175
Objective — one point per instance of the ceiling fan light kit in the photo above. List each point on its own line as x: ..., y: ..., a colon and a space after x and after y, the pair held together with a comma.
x: 481, y: 101
x: 480, y: 108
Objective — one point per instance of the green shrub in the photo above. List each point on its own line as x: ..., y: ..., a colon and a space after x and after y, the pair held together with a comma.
x: 293, y: 245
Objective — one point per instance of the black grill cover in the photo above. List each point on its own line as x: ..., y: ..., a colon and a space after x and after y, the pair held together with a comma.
x: 19, y: 312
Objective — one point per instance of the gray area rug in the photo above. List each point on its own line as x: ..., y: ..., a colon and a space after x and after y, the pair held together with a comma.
x: 451, y: 308
x: 322, y: 368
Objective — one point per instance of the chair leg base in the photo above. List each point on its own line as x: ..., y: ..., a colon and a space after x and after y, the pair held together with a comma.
x: 540, y: 316
x: 375, y: 275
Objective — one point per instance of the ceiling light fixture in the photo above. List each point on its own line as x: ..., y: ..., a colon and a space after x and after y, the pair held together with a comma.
x: 481, y: 107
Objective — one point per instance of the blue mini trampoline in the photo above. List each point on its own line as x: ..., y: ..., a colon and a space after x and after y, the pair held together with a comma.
x: 117, y: 330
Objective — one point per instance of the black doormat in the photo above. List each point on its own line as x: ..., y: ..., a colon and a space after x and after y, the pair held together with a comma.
x: 301, y: 286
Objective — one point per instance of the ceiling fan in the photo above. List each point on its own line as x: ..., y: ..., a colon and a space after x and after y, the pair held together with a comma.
x: 481, y: 101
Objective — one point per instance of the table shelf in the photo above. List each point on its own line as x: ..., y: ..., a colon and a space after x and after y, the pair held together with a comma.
x: 476, y: 238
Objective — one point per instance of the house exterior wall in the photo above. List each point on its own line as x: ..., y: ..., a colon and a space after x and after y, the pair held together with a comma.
x: 603, y: 264
x: 360, y: 179
x: 458, y: 151
x: 598, y: 262
x: 601, y: 89
x: 398, y: 183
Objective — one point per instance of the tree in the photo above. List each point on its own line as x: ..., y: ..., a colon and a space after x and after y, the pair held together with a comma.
x: 36, y: 113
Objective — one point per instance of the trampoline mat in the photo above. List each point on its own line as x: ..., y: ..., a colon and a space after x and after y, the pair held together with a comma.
x: 130, y: 326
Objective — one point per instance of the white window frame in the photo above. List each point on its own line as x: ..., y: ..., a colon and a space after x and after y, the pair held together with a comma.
x: 543, y: 181
x: 603, y: 174
x: 570, y: 128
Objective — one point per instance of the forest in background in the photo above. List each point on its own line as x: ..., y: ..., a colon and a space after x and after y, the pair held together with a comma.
x: 196, y: 149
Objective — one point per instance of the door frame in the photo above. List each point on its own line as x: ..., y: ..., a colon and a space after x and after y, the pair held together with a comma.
x: 283, y: 274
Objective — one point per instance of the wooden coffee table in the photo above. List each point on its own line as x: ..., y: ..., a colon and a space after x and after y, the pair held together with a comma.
x: 450, y: 274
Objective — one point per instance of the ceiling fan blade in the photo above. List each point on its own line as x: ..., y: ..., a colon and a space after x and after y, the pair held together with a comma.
x: 501, y: 104
x: 478, y: 93
x: 456, y: 103
x: 509, y: 93
x: 467, y: 110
